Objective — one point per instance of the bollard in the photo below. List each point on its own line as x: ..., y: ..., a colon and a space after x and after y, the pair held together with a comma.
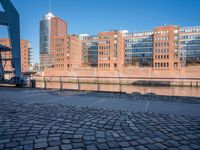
x: 33, y: 84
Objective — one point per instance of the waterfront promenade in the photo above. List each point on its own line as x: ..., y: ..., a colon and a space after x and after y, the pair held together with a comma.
x: 50, y: 119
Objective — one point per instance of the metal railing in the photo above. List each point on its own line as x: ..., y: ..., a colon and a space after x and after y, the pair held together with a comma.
x: 120, y: 82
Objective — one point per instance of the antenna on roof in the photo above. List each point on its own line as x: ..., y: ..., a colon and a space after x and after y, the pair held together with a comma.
x: 49, y: 5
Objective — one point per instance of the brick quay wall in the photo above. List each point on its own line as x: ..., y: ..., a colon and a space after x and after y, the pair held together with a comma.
x: 96, y: 79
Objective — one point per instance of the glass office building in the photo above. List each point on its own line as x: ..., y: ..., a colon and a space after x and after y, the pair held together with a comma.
x: 46, y: 59
x: 139, y: 49
x: 190, y: 46
x: 45, y: 33
x: 89, y: 50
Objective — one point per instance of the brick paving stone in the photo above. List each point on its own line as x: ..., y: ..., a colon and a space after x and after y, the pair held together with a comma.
x: 115, y: 135
x: 113, y: 144
x: 100, y: 135
x: 103, y: 146
x: 65, y: 141
x: 195, y: 146
x: 141, y: 147
x: 101, y: 140
x: 161, y: 146
x: 53, y: 148
x: 89, y: 142
x: 28, y: 147
x: 91, y: 147
x: 173, y: 143
x: 76, y: 140
x: 158, y: 140
x: 141, y: 141
x: 89, y: 138
x: 66, y: 147
x: 148, y: 140
x: 128, y: 148
x: 134, y: 143
x: 1, y: 146
x: 124, y: 144
x: 184, y: 147
x: 18, y: 148
x: 40, y: 140
x: 172, y: 148
x: 11, y: 145
x: 40, y: 145
x: 53, y: 138
x: 184, y: 142
x: 78, y: 145
x: 152, y: 146
x: 78, y: 136
x: 54, y: 143
x: 4, y: 141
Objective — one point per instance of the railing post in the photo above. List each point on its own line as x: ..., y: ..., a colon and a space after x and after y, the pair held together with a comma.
x: 45, y: 84
x: 78, y: 83
x: 61, y: 84
x: 120, y: 85
x: 98, y: 84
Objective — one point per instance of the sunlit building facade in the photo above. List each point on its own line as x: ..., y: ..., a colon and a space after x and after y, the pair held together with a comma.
x: 25, y: 55
x: 89, y: 50
x: 138, y: 49
x: 50, y: 27
x: 110, y: 50
x: 67, y: 52
x: 190, y: 46
x: 166, y: 48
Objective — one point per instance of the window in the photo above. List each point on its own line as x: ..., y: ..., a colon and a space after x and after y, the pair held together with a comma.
x: 175, y: 31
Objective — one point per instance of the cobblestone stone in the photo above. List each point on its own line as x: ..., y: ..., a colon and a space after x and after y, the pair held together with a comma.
x: 28, y: 147
x: 40, y: 145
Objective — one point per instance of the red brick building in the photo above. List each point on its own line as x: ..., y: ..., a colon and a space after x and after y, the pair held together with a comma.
x: 67, y: 52
x: 110, y: 50
x: 25, y: 54
x: 166, y: 48
x: 58, y: 28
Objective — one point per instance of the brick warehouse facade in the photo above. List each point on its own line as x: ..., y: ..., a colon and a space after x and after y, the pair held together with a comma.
x: 58, y: 27
x: 110, y: 50
x: 67, y: 52
x: 25, y: 54
x: 164, y: 48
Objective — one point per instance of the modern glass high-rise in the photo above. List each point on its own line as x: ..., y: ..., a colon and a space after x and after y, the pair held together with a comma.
x: 50, y: 27
x: 45, y: 56
x: 45, y: 33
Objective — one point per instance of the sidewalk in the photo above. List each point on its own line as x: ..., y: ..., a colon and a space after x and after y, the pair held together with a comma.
x: 105, y: 100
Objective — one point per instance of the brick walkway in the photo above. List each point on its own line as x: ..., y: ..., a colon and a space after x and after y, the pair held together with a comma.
x: 25, y: 126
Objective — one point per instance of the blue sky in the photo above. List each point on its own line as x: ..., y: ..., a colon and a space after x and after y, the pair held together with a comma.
x: 93, y: 16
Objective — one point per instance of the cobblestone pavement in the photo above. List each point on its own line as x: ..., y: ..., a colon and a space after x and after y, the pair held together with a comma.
x: 133, y: 96
x: 51, y: 126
